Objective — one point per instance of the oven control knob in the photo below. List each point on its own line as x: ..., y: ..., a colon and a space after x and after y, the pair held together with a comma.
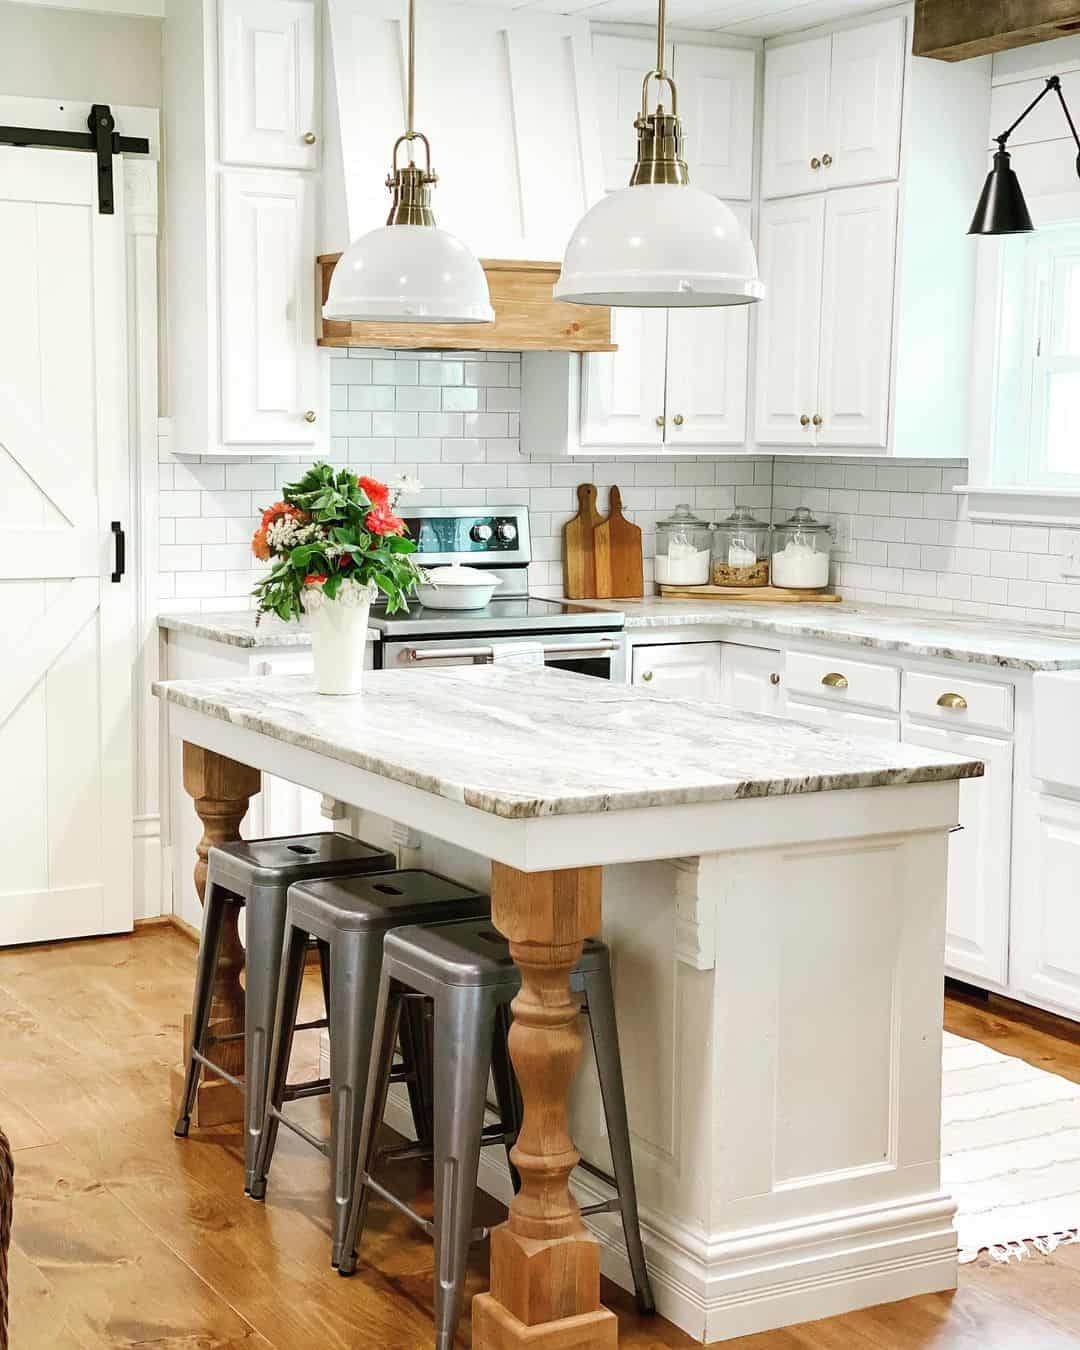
x: 508, y: 531
x: 480, y: 533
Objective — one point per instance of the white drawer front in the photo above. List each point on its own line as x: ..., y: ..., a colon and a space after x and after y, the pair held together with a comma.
x: 958, y: 703
x: 838, y: 681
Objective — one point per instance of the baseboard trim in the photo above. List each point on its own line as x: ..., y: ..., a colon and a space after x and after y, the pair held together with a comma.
x: 715, y: 1289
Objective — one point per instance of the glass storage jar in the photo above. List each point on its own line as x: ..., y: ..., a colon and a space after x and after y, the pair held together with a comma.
x: 741, y: 550
x: 800, y: 553
x: 683, y: 549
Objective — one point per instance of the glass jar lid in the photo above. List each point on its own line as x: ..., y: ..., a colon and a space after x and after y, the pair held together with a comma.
x: 745, y: 519
x: 803, y: 521
x: 683, y: 518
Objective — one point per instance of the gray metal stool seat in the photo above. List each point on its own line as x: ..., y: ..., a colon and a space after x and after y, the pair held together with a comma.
x: 350, y: 918
x: 256, y: 874
x: 466, y: 970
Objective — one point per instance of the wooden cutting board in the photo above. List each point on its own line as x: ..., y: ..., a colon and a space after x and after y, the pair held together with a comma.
x: 784, y: 595
x: 579, y: 549
x: 619, y: 570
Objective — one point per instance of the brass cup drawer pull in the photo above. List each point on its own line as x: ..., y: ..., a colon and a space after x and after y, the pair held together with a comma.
x: 834, y: 680
x: 957, y: 701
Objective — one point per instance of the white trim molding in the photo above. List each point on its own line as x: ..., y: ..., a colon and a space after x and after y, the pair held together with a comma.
x: 1022, y: 505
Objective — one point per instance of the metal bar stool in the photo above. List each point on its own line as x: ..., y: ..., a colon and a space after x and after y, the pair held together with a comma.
x: 466, y: 970
x: 256, y: 874
x: 350, y: 918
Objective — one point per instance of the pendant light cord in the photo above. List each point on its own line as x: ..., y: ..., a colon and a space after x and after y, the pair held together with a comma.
x: 410, y: 115
x: 661, y: 25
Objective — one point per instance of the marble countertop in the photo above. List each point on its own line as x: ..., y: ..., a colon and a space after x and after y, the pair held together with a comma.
x: 237, y: 628
x: 911, y: 632
x: 523, y: 742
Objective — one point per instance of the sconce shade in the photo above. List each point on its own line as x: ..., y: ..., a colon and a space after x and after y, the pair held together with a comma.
x: 1001, y: 208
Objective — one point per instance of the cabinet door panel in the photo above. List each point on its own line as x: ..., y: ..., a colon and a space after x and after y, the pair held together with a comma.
x: 1045, y: 962
x: 866, y: 94
x: 856, y: 316
x: 716, y: 104
x: 620, y: 64
x: 796, y: 118
x: 683, y: 669
x: 790, y: 256
x: 267, y: 77
x: 622, y: 392
x: 977, y: 923
x: 707, y: 357
x: 750, y: 679
x: 269, y: 361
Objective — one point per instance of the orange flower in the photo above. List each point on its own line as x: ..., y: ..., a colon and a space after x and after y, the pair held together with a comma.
x: 259, y: 546
x: 383, y: 521
x: 314, y: 578
x: 378, y: 494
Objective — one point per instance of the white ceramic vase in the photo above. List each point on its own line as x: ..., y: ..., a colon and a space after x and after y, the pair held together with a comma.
x: 339, y: 630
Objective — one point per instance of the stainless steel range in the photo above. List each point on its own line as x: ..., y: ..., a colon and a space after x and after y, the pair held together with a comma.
x: 495, y: 538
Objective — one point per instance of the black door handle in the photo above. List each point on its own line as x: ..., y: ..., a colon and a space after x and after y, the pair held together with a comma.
x: 120, y: 563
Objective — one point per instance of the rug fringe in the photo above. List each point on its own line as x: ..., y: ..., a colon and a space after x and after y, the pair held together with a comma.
x: 1008, y: 1251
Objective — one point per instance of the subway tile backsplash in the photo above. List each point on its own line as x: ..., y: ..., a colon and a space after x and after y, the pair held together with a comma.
x: 452, y: 421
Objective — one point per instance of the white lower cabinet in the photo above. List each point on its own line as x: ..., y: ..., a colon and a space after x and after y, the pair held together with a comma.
x: 1045, y: 963
x: 841, y: 719
x: 980, y: 854
x: 683, y: 669
x: 751, y: 679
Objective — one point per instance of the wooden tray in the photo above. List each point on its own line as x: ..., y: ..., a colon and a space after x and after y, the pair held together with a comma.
x: 778, y: 595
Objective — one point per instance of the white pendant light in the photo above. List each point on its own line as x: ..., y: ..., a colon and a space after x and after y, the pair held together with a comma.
x: 659, y: 242
x: 409, y: 271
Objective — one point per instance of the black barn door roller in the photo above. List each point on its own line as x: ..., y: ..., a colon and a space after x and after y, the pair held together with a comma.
x: 101, y: 138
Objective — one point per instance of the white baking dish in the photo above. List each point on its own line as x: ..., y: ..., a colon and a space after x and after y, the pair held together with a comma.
x: 457, y: 587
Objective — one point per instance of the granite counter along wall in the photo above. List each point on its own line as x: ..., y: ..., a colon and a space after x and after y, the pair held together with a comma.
x: 452, y: 420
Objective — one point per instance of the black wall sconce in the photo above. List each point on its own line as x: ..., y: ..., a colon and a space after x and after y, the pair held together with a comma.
x: 1002, y: 209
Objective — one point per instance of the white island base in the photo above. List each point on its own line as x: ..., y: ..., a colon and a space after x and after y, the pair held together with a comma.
x: 774, y: 897
x: 780, y: 1019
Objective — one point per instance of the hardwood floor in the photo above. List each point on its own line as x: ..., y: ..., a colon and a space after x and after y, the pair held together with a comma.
x: 126, y: 1237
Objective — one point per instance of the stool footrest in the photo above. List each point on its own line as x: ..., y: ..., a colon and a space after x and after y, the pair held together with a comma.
x: 320, y: 1024
x: 315, y: 1087
x: 599, y: 1173
x: 216, y: 1068
x: 323, y: 1145
x: 603, y: 1207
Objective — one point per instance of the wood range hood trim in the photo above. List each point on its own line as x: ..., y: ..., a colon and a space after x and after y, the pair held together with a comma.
x: 526, y: 317
x: 958, y: 30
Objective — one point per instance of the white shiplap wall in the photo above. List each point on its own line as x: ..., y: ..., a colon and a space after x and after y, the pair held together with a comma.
x: 452, y: 419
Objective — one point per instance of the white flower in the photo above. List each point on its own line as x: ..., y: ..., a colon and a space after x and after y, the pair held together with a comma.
x: 404, y: 485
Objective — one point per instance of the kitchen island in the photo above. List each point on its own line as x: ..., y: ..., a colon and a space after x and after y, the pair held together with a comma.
x: 789, y: 1159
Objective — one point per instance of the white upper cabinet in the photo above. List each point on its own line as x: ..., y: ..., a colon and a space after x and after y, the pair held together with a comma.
x: 620, y: 65
x: 269, y: 365
x: 856, y: 317
x: 832, y: 109
x: 865, y: 99
x: 267, y: 77
x: 706, y: 376
x: 790, y: 257
x: 622, y: 392
x: 507, y: 101
x: 796, y: 117
x: 716, y: 105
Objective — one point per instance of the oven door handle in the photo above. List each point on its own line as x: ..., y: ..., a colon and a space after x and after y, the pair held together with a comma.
x: 485, y: 655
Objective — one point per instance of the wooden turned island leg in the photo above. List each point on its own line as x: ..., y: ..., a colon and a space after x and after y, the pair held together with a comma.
x: 221, y: 789
x: 545, y: 1265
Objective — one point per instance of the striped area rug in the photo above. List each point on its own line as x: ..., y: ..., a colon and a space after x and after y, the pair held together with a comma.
x: 1010, y: 1137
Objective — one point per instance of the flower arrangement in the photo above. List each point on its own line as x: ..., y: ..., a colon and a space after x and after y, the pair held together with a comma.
x: 335, y: 537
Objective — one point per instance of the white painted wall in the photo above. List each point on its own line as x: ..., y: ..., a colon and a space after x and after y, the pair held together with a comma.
x: 48, y: 52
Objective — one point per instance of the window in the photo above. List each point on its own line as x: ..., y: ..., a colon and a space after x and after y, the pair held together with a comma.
x: 1036, y: 427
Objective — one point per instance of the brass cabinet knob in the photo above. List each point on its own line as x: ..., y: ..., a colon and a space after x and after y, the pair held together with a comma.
x: 659, y: 421
x: 815, y: 163
x: 310, y: 138
x: 826, y: 160
x: 678, y: 419
x: 774, y: 678
x: 834, y: 680
x: 647, y: 675
x: 309, y: 416
x: 817, y: 419
x: 957, y: 701
x: 804, y: 420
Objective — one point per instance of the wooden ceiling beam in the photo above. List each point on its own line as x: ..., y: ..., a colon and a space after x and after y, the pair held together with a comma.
x: 956, y: 30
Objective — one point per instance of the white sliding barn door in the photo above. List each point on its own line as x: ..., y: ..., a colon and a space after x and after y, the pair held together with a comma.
x: 65, y: 679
